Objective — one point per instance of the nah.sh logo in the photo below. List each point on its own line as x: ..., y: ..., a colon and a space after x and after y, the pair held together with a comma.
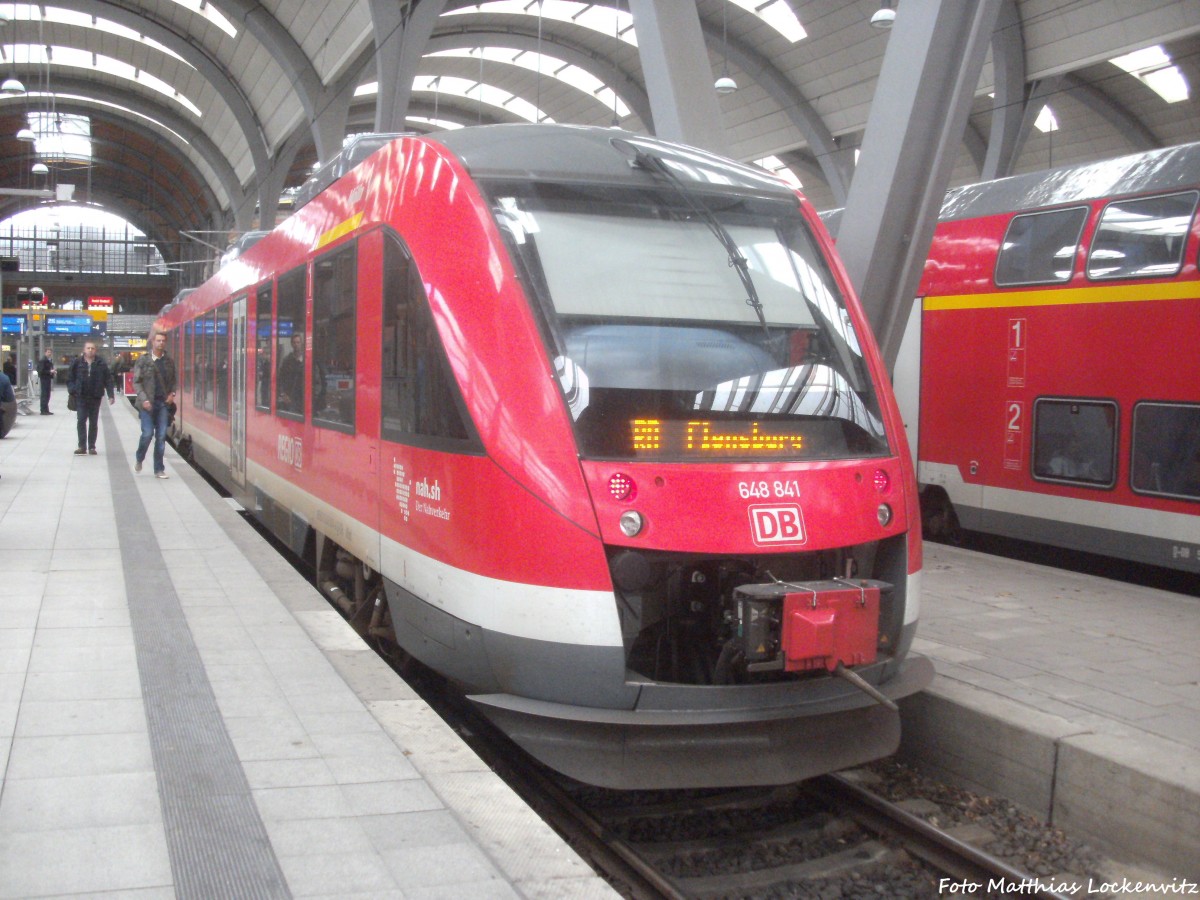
x: 777, y: 524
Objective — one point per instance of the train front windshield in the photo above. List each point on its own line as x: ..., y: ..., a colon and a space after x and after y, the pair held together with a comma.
x: 690, y: 326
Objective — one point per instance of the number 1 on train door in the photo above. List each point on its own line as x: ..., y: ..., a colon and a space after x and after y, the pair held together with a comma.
x: 1017, y: 337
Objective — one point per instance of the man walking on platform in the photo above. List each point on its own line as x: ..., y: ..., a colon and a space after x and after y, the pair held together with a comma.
x: 46, y: 373
x: 154, y: 378
x: 89, y: 381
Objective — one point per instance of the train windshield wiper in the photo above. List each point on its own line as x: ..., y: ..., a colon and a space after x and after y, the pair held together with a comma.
x: 656, y: 165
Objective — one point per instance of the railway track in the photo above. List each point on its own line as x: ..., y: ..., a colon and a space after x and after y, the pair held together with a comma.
x: 825, y: 838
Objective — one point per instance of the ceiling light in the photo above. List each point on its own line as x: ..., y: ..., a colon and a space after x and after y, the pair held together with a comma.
x: 725, y: 85
x: 11, y: 87
x: 40, y: 168
x: 884, y: 16
x: 26, y: 134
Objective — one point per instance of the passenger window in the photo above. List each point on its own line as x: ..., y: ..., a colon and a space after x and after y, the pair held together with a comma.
x: 1166, y: 450
x: 221, y: 361
x: 1075, y: 441
x: 206, y: 350
x: 1142, y: 238
x: 334, y: 304
x: 262, y: 348
x: 1039, y: 248
x: 289, y: 345
x: 421, y: 402
x: 185, y: 362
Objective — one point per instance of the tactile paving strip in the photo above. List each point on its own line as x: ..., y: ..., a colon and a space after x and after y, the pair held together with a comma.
x: 216, y: 838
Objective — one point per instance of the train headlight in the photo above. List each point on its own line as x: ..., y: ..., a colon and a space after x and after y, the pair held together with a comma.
x: 631, y: 523
x: 884, y: 514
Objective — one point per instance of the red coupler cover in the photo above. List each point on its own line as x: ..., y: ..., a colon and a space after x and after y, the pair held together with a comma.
x: 827, y: 622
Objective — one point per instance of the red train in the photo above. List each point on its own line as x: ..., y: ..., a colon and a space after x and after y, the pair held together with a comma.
x: 1059, y: 388
x: 592, y: 424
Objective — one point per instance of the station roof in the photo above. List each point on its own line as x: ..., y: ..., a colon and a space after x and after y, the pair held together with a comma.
x: 181, y: 104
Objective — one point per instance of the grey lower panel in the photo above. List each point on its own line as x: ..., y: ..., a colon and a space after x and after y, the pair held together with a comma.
x: 1087, y: 538
x: 216, y: 839
x: 773, y: 751
x: 490, y: 661
x: 689, y: 748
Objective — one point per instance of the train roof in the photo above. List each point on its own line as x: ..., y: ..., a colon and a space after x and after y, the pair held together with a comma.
x: 569, y: 153
x: 1171, y: 168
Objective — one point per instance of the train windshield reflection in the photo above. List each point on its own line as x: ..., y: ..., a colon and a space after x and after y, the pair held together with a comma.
x: 649, y: 321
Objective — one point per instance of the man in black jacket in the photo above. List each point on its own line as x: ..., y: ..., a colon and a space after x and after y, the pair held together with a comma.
x: 89, y: 381
x: 46, y: 373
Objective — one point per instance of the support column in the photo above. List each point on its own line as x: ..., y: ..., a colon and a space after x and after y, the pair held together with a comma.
x: 914, y: 133
x: 679, y: 78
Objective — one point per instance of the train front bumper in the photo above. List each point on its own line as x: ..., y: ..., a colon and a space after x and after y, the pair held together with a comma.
x: 670, y: 742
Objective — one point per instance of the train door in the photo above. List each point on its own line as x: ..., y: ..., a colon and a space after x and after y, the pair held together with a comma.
x: 237, y: 409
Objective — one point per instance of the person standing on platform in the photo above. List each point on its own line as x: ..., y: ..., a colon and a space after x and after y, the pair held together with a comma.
x: 154, y: 378
x: 46, y: 373
x: 8, y: 405
x: 89, y: 381
x: 10, y: 369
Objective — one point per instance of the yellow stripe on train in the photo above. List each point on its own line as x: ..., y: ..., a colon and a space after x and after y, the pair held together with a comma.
x: 340, y: 229
x: 1108, y: 293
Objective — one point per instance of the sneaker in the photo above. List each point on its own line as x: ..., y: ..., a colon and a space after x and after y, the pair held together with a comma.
x: 80, y: 451
x: 161, y: 475
x: 137, y: 465
x: 92, y: 451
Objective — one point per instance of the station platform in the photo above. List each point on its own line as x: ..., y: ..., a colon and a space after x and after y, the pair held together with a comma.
x: 182, y: 714
x: 1077, y: 697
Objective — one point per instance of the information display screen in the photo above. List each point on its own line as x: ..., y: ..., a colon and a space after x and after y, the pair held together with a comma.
x: 701, y: 438
x: 68, y: 324
x: 14, y: 324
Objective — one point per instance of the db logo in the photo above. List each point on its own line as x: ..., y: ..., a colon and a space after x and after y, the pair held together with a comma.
x: 777, y: 524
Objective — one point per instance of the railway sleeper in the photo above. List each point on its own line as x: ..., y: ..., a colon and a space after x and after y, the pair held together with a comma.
x: 861, y: 858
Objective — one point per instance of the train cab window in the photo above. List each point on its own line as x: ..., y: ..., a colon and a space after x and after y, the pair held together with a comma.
x: 262, y: 348
x: 1075, y: 441
x: 221, y: 361
x: 334, y: 305
x: 1166, y: 450
x: 421, y: 403
x: 1039, y: 248
x: 1142, y: 238
x: 289, y: 345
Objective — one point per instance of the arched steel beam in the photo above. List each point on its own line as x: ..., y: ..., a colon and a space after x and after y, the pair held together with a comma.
x: 397, y: 67
x: 1008, y: 105
x: 837, y: 163
x: 626, y: 87
x: 144, y: 22
x: 1120, y: 117
x: 320, y: 105
x: 172, y: 126
x: 203, y: 204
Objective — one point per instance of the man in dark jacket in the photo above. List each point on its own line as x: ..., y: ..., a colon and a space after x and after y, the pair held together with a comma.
x: 46, y: 373
x: 154, y: 378
x: 89, y: 381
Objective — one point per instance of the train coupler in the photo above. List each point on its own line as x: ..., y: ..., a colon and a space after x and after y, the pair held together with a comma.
x: 808, y: 625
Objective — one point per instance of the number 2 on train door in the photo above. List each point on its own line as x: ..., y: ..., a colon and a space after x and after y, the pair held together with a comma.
x: 1014, y: 424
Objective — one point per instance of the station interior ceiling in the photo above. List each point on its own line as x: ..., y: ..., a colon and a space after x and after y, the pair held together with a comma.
x: 193, y: 108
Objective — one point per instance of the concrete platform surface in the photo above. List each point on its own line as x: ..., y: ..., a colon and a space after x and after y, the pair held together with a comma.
x: 181, y: 714
x: 1075, y: 696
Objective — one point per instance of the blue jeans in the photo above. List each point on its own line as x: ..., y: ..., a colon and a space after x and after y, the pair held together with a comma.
x: 154, y: 425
